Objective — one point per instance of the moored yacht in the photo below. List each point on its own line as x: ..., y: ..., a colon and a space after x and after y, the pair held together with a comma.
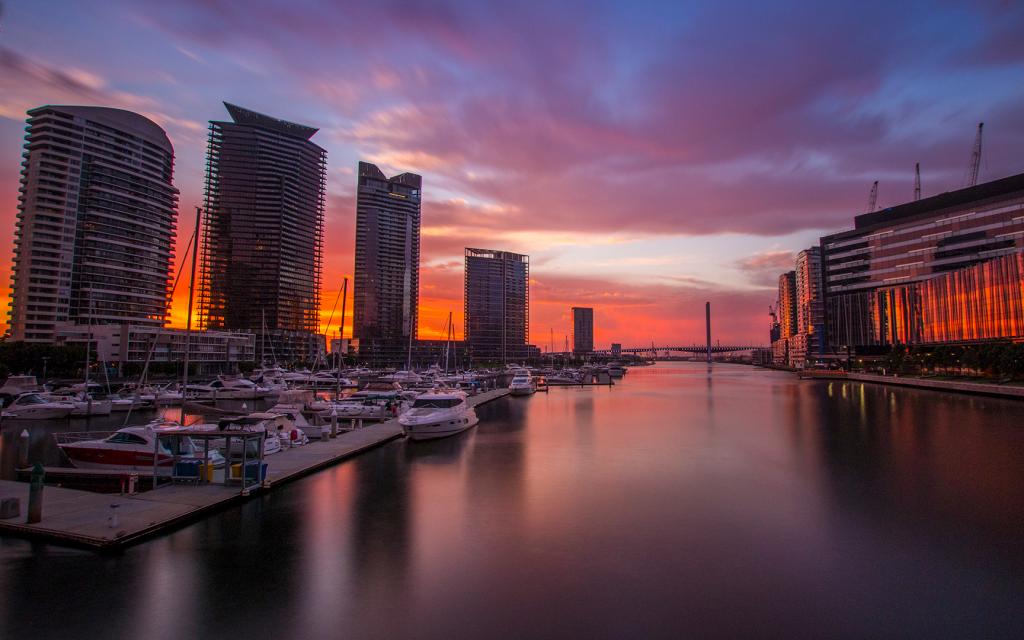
x: 522, y: 384
x: 131, y: 448
x: 437, y: 415
x: 31, y: 406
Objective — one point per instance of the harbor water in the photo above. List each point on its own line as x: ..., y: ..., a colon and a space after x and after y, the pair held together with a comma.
x: 687, y: 500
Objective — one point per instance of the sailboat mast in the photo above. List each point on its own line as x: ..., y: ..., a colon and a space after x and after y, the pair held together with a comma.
x: 408, y: 357
x: 188, y: 321
x: 447, y: 342
x: 341, y: 335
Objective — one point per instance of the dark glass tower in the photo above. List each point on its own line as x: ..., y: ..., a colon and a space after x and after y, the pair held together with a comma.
x: 387, y: 273
x: 582, y: 329
x: 97, y: 210
x: 263, y: 232
x: 497, y: 299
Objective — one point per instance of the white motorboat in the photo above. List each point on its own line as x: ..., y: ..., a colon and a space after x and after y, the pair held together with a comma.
x: 32, y: 406
x: 522, y: 384
x: 404, y: 377
x: 438, y: 415
x: 616, y: 369
x: 228, y: 389
x: 132, y: 448
x: 85, y: 405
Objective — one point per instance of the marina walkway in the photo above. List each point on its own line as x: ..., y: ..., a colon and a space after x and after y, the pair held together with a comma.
x: 82, y: 518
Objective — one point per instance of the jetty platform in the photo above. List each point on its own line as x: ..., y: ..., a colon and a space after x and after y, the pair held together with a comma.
x: 84, y: 518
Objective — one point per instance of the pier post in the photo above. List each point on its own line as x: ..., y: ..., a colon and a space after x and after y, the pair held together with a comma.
x: 35, y: 494
x: 23, y: 440
x: 334, y: 422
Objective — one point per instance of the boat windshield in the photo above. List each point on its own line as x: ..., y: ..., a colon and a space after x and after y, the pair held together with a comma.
x: 31, y: 398
x: 436, y: 403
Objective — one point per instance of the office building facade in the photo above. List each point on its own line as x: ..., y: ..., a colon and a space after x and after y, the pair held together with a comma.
x: 263, y: 233
x: 943, y: 269
x: 582, y: 329
x: 97, y: 215
x: 387, y: 261
x: 497, y: 305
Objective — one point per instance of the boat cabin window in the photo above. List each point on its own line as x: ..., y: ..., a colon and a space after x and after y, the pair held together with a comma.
x: 30, y: 398
x: 126, y: 438
x: 435, y: 403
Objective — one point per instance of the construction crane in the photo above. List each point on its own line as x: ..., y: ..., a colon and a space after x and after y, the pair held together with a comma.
x: 873, y: 198
x: 917, y: 181
x: 972, y: 169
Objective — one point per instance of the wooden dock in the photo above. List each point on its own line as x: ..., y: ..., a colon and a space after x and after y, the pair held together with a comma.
x: 82, y: 518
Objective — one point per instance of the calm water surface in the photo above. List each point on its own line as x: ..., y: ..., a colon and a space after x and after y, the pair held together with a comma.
x: 685, y: 501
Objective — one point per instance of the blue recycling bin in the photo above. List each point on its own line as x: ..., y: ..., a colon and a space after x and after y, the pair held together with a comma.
x: 255, y: 471
x: 187, y: 469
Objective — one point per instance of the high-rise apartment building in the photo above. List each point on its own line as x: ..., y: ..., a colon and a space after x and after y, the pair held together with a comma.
x: 808, y: 340
x: 785, y: 310
x: 787, y: 304
x: 497, y: 305
x: 387, y: 269
x: 97, y: 209
x: 582, y: 329
x: 943, y: 269
x: 263, y: 233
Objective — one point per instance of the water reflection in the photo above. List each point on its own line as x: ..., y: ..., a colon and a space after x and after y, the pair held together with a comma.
x: 731, y: 502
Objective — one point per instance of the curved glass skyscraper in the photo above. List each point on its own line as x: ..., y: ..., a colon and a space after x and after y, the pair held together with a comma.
x: 97, y: 210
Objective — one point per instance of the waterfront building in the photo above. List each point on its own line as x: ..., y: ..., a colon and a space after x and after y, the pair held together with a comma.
x: 497, y: 305
x: 263, y: 233
x: 387, y: 262
x: 97, y: 209
x: 786, y: 316
x: 582, y: 330
x: 944, y: 269
x: 807, y: 342
x: 211, y: 352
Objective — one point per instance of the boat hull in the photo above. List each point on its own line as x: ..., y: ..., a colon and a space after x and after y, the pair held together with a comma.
x: 443, y: 428
x: 85, y: 457
x: 42, y: 413
x: 522, y: 391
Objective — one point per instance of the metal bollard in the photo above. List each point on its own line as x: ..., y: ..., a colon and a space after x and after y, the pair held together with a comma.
x: 133, y: 482
x: 334, y: 422
x: 35, y: 494
x: 112, y: 520
x: 23, y: 440
x: 352, y: 424
x: 325, y: 433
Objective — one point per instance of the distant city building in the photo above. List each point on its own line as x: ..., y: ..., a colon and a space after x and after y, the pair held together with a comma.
x: 263, y: 233
x: 211, y: 352
x: 582, y: 329
x: 807, y: 342
x: 616, y: 349
x: 497, y: 305
x: 94, y: 239
x: 945, y: 269
x: 786, y: 315
x: 387, y: 268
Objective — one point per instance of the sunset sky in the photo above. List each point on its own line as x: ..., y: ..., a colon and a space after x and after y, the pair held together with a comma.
x: 648, y: 156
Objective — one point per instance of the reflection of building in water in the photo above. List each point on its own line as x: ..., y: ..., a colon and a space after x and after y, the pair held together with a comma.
x: 380, y: 536
x: 871, y: 458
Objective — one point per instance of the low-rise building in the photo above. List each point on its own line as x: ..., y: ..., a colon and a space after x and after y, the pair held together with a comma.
x: 121, y: 344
